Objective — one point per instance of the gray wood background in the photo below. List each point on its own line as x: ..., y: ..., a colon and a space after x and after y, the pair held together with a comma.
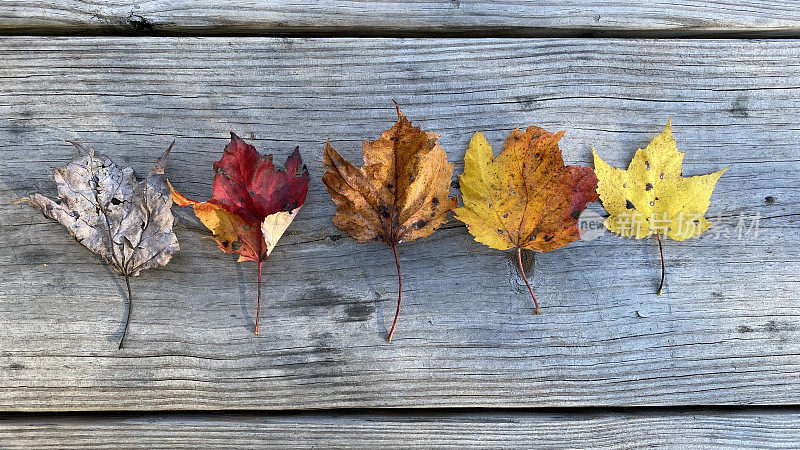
x: 414, y: 17
x: 725, y: 334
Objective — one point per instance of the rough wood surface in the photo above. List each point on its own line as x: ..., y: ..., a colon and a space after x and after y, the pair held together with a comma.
x: 695, y: 429
x: 726, y: 331
x: 395, y: 17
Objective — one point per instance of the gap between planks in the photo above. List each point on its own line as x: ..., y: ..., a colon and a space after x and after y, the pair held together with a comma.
x: 456, y: 428
x: 389, y: 33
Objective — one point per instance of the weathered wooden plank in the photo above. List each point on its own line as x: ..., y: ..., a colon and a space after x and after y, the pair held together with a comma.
x: 727, y: 330
x: 690, y: 429
x: 393, y: 17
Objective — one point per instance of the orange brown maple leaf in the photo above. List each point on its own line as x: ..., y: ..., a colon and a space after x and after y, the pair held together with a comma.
x: 400, y: 194
x: 252, y: 204
x: 526, y: 198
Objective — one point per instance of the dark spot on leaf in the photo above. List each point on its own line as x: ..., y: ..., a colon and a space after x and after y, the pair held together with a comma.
x: 389, y: 186
x: 246, y: 227
x: 652, y: 203
x: 384, y: 211
x: 629, y: 204
x: 548, y: 238
x: 661, y: 176
x: 252, y: 193
x: 420, y: 223
x: 435, y: 201
x: 499, y: 231
x: 648, y: 186
x: 647, y: 165
x: 505, y: 216
x: 412, y: 177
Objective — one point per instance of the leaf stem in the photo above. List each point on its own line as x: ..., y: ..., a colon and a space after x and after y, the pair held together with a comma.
x: 663, y: 265
x: 399, y: 292
x: 128, y: 317
x: 522, y: 270
x: 258, y: 308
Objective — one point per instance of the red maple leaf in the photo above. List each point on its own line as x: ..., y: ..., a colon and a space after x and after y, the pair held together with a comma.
x: 253, y: 202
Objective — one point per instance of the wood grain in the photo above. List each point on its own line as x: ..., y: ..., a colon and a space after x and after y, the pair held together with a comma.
x: 690, y: 429
x: 497, y: 18
x: 726, y: 331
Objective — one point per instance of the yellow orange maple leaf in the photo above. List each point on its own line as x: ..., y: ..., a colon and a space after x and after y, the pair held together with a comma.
x: 526, y: 198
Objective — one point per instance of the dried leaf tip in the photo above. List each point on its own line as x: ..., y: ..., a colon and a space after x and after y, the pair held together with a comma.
x: 397, y: 107
x: 81, y: 148
x: 161, y: 164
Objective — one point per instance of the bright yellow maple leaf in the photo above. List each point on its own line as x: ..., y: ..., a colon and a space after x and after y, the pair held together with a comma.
x: 652, y: 196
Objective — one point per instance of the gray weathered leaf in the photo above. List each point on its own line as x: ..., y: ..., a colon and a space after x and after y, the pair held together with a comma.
x: 127, y: 222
